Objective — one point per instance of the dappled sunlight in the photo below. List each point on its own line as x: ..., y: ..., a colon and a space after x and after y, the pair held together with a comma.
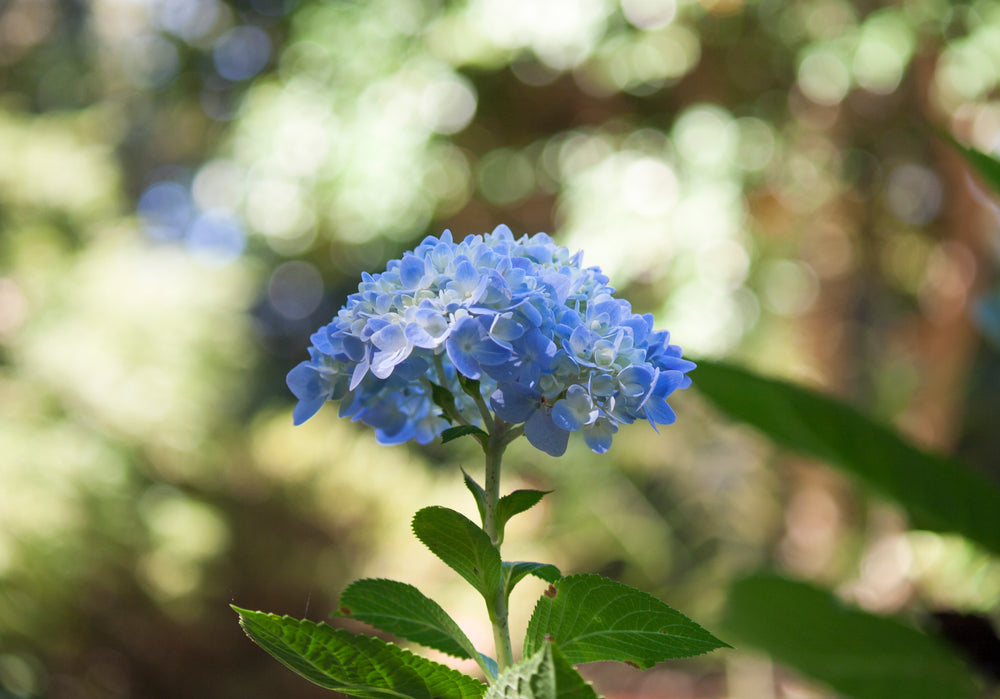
x: 189, y: 188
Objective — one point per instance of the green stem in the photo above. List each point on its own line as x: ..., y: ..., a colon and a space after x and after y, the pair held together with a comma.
x: 497, y: 606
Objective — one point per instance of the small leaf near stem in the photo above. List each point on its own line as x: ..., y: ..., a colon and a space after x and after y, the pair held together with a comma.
x: 515, y: 503
x: 478, y: 493
x: 453, y: 433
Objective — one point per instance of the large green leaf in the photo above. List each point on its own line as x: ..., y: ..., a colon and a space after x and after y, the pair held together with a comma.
x: 462, y: 545
x: 358, y: 666
x: 592, y: 618
x: 858, y: 654
x: 405, y: 611
x: 547, y: 674
x: 939, y: 492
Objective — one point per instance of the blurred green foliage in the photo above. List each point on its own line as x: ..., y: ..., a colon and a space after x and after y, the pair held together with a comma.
x: 189, y: 187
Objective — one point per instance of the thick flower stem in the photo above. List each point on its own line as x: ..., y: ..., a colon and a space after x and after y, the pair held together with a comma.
x: 498, y: 604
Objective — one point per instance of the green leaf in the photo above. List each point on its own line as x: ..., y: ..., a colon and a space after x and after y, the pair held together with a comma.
x: 444, y: 399
x: 470, y: 386
x: 940, y: 493
x: 462, y: 545
x: 986, y: 165
x: 515, y: 503
x: 858, y: 654
x: 453, y: 433
x: 478, y: 493
x: 358, y: 666
x: 403, y: 610
x: 593, y: 618
x: 515, y: 571
x: 547, y: 674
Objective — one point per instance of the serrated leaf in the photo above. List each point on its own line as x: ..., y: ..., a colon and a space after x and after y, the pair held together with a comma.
x: 858, y: 654
x: 478, y: 493
x: 462, y: 545
x: 359, y: 666
x: 515, y: 571
x: 404, y: 611
x: 547, y: 674
x: 940, y: 493
x: 453, y: 433
x: 515, y: 503
x: 592, y: 618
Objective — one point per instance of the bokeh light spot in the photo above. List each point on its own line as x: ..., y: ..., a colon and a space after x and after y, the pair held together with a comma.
x: 914, y: 194
x: 790, y: 287
x: 447, y: 105
x: 295, y: 289
x: 216, y: 237
x: 218, y: 184
x: 165, y: 210
x: 187, y: 19
x: 241, y: 53
x: 706, y: 135
x: 150, y: 61
x: 823, y: 77
x: 505, y: 176
x: 878, y: 67
x: 649, y: 14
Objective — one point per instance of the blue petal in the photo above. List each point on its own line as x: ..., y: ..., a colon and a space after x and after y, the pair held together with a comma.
x: 305, y: 409
x: 658, y: 412
x: 598, y: 436
x: 636, y: 380
x: 411, y: 271
x: 383, y: 363
x: 304, y: 382
x: 391, y: 338
x: 505, y: 329
x: 514, y: 403
x: 575, y: 410
x: 544, y: 435
x: 463, y: 360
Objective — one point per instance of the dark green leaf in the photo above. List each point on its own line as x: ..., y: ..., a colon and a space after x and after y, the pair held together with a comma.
x: 358, y: 666
x: 858, y: 654
x: 514, y: 572
x: 593, y: 618
x: 462, y: 545
x: 986, y: 165
x: 515, y: 503
x: 444, y: 399
x: 470, y: 386
x: 940, y: 493
x: 547, y: 674
x: 403, y: 610
x: 462, y: 430
x: 478, y: 493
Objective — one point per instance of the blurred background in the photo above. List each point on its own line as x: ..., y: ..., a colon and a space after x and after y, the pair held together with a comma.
x: 189, y: 187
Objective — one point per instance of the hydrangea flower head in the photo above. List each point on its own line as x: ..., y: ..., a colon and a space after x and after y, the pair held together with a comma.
x: 543, y: 337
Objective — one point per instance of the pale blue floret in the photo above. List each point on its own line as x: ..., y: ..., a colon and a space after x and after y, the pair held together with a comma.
x: 550, y: 345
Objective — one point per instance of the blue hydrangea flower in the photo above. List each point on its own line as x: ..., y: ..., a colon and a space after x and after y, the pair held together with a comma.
x: 548, y: 343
